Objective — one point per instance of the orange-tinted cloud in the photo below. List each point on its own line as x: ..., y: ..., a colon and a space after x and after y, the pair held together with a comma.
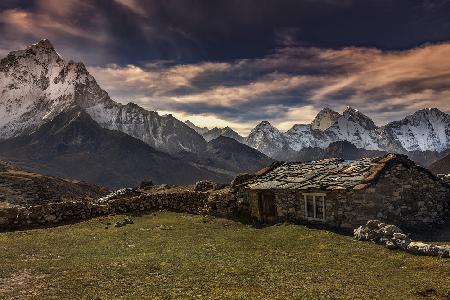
x: 384, y: 84
x: 134, y: 6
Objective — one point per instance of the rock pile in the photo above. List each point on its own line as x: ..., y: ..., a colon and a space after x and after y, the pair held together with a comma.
x: 393, y: 238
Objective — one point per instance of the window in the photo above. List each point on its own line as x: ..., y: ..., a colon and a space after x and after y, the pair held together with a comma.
x: 315, y: 206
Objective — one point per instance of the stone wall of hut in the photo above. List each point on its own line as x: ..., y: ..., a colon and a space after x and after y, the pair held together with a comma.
x: 406, y: 196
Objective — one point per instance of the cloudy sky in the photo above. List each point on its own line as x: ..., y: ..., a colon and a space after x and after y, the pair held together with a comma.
x: 237, y: 62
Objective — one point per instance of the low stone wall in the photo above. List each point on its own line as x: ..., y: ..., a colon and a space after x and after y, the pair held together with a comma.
x: 220, y: 203
x: 51, y: 213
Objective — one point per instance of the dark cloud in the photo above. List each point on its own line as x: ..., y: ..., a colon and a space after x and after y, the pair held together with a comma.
x: 240, y: 61
x: 137, y: 31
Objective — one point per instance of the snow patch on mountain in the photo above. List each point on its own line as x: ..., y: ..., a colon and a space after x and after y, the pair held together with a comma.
x: 355, y: 127
x: 303, y: 136
x: 426, y: 129
x: 266, y: 138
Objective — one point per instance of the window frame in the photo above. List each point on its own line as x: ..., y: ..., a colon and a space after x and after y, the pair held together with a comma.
x: 314, y: 195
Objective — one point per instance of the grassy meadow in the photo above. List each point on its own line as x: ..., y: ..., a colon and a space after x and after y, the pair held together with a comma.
x: 169, y: 255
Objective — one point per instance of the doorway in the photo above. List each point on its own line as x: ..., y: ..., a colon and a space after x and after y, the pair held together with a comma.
x: 267, y: 207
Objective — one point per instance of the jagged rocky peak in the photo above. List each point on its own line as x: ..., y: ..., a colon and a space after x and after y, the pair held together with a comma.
x: 324, y: 119
x: 226, y: 131
x: 265, y: 128
x: 45, y: 45
x: 264, y: 124
x: 42, y: 52
x: 357, y: 117
x: 198, y: 129
x: 431, y: 113
x: 300, y: 128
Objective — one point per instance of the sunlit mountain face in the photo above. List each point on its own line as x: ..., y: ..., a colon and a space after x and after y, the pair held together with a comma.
x: 235, y: 64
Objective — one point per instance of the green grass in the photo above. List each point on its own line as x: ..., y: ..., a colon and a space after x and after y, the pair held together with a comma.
x: 181, y: 256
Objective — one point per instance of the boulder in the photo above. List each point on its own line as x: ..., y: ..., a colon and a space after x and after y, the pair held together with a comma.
x: 389, y: 230
x: 391, y: 245
x: 401, y: 240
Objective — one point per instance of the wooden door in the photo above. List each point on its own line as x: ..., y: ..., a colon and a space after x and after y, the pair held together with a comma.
x: 267, y: 207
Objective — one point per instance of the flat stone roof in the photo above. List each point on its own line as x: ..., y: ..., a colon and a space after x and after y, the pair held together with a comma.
x: 326, y: 174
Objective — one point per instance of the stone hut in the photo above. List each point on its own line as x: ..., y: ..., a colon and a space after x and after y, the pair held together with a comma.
x: 347, y: 194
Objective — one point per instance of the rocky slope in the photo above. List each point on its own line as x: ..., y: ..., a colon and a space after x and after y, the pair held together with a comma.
x: 236, y: 156
x: 73, y: 145
x: 22, y: 188
x: 36, y: 85
x: 441, y: 166
x: 225, y: 155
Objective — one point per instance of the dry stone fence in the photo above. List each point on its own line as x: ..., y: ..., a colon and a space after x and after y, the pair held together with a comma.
x: 213, y: 202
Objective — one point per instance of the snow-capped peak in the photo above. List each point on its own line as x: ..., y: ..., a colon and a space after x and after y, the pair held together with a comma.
x: 266, y: 138
x: 426, y: 129
x: 36, y: 85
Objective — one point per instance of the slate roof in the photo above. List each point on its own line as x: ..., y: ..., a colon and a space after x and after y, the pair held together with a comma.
x: 327, y: 174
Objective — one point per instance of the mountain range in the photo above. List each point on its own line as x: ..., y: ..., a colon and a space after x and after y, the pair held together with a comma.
x: 73, y: 145
x: 427, y: 130
x: 56, y: 119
